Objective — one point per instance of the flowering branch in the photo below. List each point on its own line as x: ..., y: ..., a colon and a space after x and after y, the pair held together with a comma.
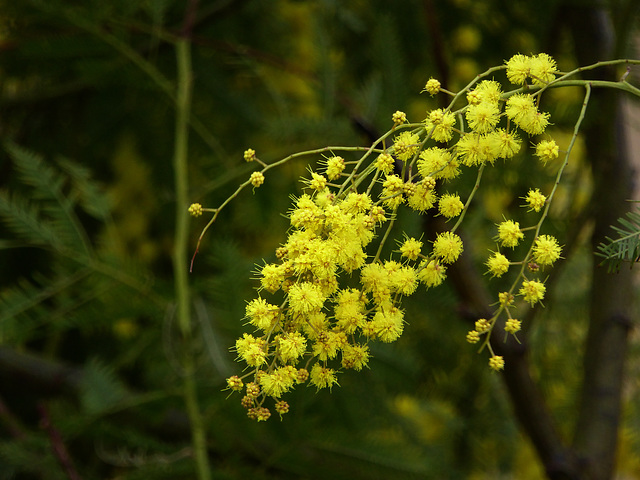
x: 306, y: 319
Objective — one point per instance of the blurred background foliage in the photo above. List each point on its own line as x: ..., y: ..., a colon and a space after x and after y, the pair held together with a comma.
x: 90, y: 354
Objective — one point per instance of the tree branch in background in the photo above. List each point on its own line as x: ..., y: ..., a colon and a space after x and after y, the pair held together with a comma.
x: 596, y: 433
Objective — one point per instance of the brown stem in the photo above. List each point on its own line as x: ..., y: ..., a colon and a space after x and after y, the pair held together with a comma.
x: 57, y: 443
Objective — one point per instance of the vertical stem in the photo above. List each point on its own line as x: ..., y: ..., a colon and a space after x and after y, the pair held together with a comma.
x: 181, y: 255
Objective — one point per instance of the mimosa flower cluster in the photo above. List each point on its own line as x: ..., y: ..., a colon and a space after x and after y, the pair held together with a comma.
x: 330, y: 294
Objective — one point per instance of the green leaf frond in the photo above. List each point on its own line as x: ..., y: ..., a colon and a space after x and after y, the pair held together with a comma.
x: 625, y: 248
x: 25, y: 220
x: 55, y: 208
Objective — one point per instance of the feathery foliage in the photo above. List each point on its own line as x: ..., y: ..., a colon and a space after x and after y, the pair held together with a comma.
x: 625, y: 248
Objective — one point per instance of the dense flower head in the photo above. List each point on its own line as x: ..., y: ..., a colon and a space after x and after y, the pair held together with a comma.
x: 262, y: 314
x: 498, y: 264
x: 509, y: 233
x: 195, y: 210
x: 477, y: 149
x: 487, y: 91
x: 432, y: 273
x: 518, y: 68
x: 249, y: 155
x: 422, y: 198
x: 450, y: 205
x: 392, y: 189
x: 322, y: 377
x: 543, y: 69
x: 483, y: 117
x: 441, y: 123
x: 496, y: 362
x: 410, y: 248
x: 335, y: 167
x: 546, y: 250
x: 399, y: 117
x: 547, y: 150
x: 256, y: 179
x: 447, y: 247
x: 533, y: 291
x: 384, y: 163
x: 438, y: 162
x: 507, y: 143
x: 512, y: 325
x: 535, y: 200
x: 521, y: 109
x: 405, y: 145
x: 432, y: 86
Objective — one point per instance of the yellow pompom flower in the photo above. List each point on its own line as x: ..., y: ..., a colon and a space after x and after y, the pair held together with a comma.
x: 432, y: 86
x: 498, y: 265
x: 388, y: 324
x: 543, y: 69
x: 482, y: 325
x: 256, y: 179
x: 251, y: 350
x: 262, y: 314
x: 431, y: 273
x: 392, y: 190
x: 195, y: 210
x: 335, y: 166
x: 235, y: 383
x: 349, y: 311
x: 508, y: 143
x: 496, y: 362
x: 279, y: 382
x: 488, y: 91
x: 546, y: 250
x: 305, y: 298
x: 532, y: 291
x: 509, y: 233
x: 535, y: 124
x: 318, y: 182
x: 384, y: 163
x: 477, y: 149
x: 322, y: 377
x: 355, y: 356
x: 271, y: 276
x: 441, y: 123
x: 450, y: 205
x: 291, y: 346
x: 437, y: 162
x: 535, y: 200
x: 473, y: 336
x: 447, y: 247
x: 518, y: 69
x: 422, y: 198
x: 547, y: 150
x: 399, y: 117
x: 520, y: 107
x: 249, y: 155
x: 405, y: 145
x: 410, y: 248
x: 512, y: 325
x: 483, y: 117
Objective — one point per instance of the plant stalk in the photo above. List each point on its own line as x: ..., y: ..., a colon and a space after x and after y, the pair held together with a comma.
x: 180, y: 254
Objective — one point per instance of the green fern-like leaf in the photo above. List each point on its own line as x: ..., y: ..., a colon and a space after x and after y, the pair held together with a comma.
x: 89, y: 195
x: 101, y: 389
x: 625, y: 248
x: 56, y: 208
x: 25, y: 220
